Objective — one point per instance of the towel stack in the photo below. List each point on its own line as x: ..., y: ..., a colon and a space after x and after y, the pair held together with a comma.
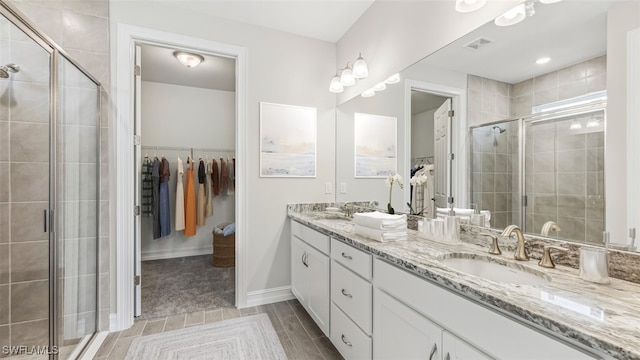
x: 381, y: 227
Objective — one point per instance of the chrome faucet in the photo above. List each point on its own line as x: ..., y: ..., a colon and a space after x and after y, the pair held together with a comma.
x: 521, y: 251
x: 549, y: 226
x: 347, y: 207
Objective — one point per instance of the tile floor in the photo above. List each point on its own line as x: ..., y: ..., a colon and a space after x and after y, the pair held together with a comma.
x: 300, y: 336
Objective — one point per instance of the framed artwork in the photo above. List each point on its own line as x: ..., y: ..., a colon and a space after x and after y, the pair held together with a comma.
x: 376, y: 141
x: 287, y: 140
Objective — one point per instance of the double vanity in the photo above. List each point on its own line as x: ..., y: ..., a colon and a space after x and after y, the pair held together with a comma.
x: 424, y: 299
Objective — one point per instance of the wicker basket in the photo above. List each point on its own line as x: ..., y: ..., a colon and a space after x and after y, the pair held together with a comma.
x: 224, y: 250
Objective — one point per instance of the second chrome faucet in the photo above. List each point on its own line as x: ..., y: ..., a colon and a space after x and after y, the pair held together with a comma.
x: 521, y: 251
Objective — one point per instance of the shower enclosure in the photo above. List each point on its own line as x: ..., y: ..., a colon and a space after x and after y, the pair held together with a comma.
x: 49, y: 196
x: 543, y: 168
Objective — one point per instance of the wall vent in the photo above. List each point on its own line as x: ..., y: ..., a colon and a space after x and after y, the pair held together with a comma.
x: 478, y: 43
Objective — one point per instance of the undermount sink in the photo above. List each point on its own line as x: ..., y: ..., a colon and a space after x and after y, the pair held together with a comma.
x: 493, y: 269
x: 338, y: 223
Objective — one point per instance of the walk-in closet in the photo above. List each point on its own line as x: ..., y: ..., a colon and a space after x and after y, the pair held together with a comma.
x: 185, y: 161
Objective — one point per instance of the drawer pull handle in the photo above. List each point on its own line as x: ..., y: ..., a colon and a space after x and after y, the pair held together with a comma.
x: 347, y: 256
x: 304, y: 259
x: 344, y: 340
x: 346, y: 294
x: 433, y: 351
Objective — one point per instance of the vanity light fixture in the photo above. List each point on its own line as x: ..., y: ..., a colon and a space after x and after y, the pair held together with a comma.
x: 393, y: 79
x: 593, y: 123
x: 543, y: 60
x: 512, y: 17
x: 189, y: 60
x: 360, y: 68
x: 549, y: 1
x: 465, y: 6
x: 336, y: 86
x: 575, y: 125
x: 346, y: 78
x: 379, y: 86
x: 368, y: 93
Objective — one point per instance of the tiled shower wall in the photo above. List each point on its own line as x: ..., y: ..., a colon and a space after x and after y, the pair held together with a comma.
x: 81, y: 28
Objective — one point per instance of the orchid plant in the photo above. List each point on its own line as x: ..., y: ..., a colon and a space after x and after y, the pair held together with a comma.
x: 393, y: 179
x: 417, y: 181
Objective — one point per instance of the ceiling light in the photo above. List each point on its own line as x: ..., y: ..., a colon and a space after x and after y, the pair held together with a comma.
x: 512, y: 16
x: 188, y: 59
x: 336, y: 86
x: 549, y: 1
x: 379, y: 86
x: 368, y: 93
x: 465, y: 6
x: 346, y: 78
x: 575, y: 125
x: 360, y: 68
x: 393, y: 79
x: 543, y: 60
x: 593, y: 123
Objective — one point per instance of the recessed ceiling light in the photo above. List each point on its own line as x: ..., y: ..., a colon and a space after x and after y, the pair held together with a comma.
x: 543, y: 60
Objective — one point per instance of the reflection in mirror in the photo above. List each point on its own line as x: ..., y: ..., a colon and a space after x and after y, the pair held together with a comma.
x: 586, y: 42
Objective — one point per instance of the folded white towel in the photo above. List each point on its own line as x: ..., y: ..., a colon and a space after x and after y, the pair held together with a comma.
x: 381, y: 235
x: 380, y: 221
x: 464, y: 212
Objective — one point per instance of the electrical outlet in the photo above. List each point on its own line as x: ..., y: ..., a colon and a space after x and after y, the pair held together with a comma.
x: 327, y: 188
x: 343, y: 188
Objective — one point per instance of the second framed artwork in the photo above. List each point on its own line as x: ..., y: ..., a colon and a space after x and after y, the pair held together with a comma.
x: 287, y: 140
x: 375, y: 139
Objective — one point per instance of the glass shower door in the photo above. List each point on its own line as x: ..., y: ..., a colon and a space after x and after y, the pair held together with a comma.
x: 77, y: 204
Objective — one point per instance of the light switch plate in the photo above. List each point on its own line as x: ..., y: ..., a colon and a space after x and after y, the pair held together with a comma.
x: 327, y: 188
x: 343, y: 188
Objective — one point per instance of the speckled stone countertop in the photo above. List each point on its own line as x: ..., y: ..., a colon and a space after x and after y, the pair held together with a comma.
x: 605, y: 317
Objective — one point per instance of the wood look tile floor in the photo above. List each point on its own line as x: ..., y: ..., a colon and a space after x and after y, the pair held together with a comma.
x: 301, y: 338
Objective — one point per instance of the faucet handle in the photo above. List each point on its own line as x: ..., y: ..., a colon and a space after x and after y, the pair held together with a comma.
x: 495, y: 249
x: 546, y: 260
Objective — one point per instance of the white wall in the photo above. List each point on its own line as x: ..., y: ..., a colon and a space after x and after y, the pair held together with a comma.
x: 422, y: 134
x: 282, y: 68
x: 392, y: 35
x: 621, y: 19
x: 181, y: 116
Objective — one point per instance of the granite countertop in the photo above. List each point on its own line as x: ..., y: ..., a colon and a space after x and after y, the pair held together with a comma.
x: 603, y: 317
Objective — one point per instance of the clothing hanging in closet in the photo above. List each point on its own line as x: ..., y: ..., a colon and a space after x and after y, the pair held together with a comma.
x: 179, y: 197
x: 231, y: 187
x: 215, y: 178
x: 155, y: 175
x: 202, y: 206
x: 190, y: 201
x: 208, y: 191
x: 224, y: 177
x: 165, y: 212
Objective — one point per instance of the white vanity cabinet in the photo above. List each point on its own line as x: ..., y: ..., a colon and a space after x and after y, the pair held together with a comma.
x: 310, y: 272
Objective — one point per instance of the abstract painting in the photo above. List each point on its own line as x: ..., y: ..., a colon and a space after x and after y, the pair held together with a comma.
x: 287, y: 140
x: 375, y: 145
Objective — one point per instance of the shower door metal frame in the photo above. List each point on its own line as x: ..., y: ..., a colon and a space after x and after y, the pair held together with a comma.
x: 55, y: 52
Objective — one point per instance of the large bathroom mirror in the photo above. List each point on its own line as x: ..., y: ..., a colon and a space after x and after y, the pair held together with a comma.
x: 529, y: 140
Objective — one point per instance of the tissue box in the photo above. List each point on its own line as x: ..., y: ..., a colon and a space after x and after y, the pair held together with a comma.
x: 224, y: 250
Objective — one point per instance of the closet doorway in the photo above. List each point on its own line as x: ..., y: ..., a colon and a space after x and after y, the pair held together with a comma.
x: 185, y: 121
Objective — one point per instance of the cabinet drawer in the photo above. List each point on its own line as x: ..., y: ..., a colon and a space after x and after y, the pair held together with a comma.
x: 347, y: 337
x: 352, y: 294
x: 314, y: 238
x: 356, y: 260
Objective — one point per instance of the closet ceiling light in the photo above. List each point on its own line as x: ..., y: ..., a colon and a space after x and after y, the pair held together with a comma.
x: 346, y: 78
x: 379, y: 86
x: 368, y: 93
x: 465, y: 6
x: 393, y: 79
x: 188, y: 59
x: 360, y: 68
x: 336, y: 86
x: 513, y: 16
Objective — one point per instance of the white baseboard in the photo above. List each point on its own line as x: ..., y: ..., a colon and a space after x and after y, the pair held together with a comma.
x: 169, y: 254
x: 113, y: 323
x: 268, y: 296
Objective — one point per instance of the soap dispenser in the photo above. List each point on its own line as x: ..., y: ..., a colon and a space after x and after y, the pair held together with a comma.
x: 477, y: 218
x: 451, y: 226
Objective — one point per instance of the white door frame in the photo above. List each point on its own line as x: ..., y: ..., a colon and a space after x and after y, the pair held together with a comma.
x: 459, y: 133
x: 122, y: 135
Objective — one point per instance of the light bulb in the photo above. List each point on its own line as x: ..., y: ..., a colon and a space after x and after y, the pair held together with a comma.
x: 360, y: 68
x: 336, y: 86
x: 368, y: 93
x: 465, y: 6
x: 346, y: 78
x: 512, y: 16
x: 593, y: 123
x: 379, y: 86
x: 393, y: 79
x: 575, y: 125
